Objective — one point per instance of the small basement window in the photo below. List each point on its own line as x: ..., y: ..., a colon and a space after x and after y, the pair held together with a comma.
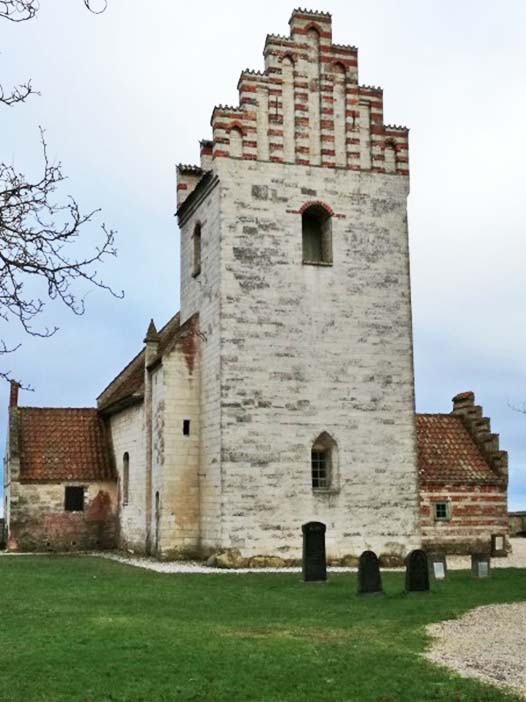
x: 186, y: 427
x: 74, y: 498
x: 441, y: 511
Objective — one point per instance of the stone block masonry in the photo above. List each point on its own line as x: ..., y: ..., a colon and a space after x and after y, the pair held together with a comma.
x: 292, y: 351
x: 38, y: 521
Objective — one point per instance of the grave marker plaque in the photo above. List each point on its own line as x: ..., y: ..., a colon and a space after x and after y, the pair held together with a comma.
x: 369, y: 578
x: 498, y: 545
x: 417, y: 572
x: 438, y: 567
x: 314, y: 561
x: 480, y: 565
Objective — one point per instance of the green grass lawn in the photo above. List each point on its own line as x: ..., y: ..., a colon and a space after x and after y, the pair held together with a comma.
x: 80, y: 628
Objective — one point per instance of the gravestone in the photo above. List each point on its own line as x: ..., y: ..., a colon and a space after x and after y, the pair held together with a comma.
x: 438, y: 566
x: 416, y: 572
x: 369, y: 578
x: 480, y: 565
x: 314, y: 561
x: 498, y: 545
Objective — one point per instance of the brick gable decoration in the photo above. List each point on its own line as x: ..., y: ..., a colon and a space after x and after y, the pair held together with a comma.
x: 307, y: 107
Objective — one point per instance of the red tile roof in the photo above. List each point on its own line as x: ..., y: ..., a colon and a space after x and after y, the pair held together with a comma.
x: 448, y: 453
x: 63, y: 444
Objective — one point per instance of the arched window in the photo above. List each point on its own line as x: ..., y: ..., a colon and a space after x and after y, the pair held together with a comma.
x: 317, y: 235
x: 324, y: 463
x: 125, y: 478
x: 197, y: 250
x: 236, y: 142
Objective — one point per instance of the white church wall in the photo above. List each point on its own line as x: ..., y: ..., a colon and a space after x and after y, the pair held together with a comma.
x: 176, y: 436
x: 202, y: 294
x: 128, y: 435
x: 307, y: 349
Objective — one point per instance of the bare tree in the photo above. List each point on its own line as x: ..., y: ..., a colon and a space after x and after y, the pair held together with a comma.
x: 517, y: 408
x: 39, y: 233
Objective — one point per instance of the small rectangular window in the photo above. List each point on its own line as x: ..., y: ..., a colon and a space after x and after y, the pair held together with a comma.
x: 186, y: 427
x: 441, y: 512
x: 74, y: 499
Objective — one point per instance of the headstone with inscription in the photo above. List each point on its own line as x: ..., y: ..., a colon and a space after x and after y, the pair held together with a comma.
x: 480, y: 565
x: 416, y: 572
x: 498, y: 545
x: 314, y: 560
x: 369, y: 578
x: 437, y: 566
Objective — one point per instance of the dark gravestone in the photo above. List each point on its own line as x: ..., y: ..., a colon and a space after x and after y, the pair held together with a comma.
x: 416, y: 572
x: 369, y: 578
x: 438, y: 566
x: 498, y: 545
x: 480, y: 565
x: 314, y: 562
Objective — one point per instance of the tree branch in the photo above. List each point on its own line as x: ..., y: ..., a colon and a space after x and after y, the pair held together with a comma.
x: 37, y: 237
x: 18, y: 10
x: 19, y: 93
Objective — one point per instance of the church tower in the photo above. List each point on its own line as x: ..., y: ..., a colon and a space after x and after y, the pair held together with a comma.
x: 294, y: 254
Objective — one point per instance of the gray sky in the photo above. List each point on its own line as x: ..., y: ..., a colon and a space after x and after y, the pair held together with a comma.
x: 126, y: 95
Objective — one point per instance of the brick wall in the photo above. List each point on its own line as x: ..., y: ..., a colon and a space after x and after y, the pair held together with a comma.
x: 39, y: 522
x: 476, y: 511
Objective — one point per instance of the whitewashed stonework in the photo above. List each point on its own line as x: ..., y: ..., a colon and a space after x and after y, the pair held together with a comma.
x: 291, y: 350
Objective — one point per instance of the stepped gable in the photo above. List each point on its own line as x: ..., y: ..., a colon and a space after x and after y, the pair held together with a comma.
x: 459, y: 447
x: 447, y: 452
x: 307, y: 107
x: 62, y: 444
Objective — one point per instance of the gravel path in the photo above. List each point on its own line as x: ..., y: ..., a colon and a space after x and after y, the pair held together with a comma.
x: 487, y: 643
x: 515, y: 560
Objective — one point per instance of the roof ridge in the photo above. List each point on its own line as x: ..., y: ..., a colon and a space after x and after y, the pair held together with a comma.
x: 62, y: 409
x: 435, y: 414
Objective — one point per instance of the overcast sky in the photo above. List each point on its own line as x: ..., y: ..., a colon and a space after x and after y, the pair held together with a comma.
x: 127, y: 94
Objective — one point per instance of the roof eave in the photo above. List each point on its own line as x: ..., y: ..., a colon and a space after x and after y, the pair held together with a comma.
x: 122, y: 404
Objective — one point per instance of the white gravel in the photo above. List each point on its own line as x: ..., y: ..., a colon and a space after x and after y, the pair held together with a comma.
x: 487, y: 643
x: 517, y: 559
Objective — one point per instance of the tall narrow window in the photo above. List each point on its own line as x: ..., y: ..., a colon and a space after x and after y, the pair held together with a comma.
x: 390, y: 158
x: 324, y: 460
x: 236, y: 142
x: 197, y: 250
x: 317, y: 235
x: 125, y: 478
x: 320, y: 468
